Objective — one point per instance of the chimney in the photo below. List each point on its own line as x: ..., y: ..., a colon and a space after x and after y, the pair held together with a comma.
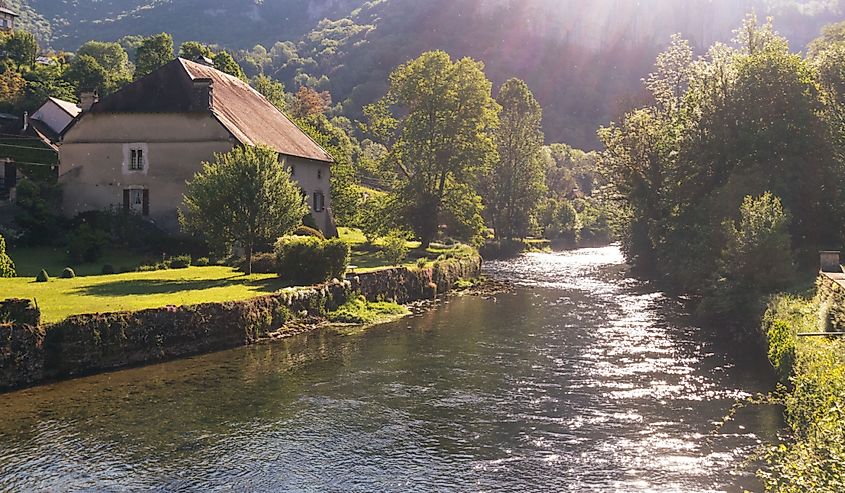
x: 25, y: 121
x: 830, y: 262
x: 202, y: 95
x: 87, y: 99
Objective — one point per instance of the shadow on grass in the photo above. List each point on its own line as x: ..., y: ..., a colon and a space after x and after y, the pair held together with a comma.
x: 153, y: 286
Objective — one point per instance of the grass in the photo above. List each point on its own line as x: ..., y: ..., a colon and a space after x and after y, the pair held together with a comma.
x: 360, y: 311
x: 368, y: 258
x: 30, y: 261
x: 60, y: 298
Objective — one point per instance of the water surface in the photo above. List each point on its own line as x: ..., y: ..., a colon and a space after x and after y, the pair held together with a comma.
x: 580, y: 380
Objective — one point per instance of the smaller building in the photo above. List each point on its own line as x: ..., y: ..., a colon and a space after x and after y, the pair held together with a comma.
x: 7, y: 19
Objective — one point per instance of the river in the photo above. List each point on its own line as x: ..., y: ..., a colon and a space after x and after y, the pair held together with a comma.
x: 581, y: 380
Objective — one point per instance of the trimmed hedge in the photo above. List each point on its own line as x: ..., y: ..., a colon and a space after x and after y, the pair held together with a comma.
x: 309, y: 260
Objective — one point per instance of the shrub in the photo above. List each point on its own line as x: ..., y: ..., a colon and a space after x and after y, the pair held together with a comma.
x: 179, y: 262
x: 42, y: 276
x: 7, y: 267
x: 262, y: 263
x: 86, y: 244
x: 360, y: 311
x: 68, y: 273
x: 422, y: 262
x: 107, y: 270
x: 202, y: 262
x: 395, y: 248
x: 781, y: 352
x: 307, y: 231
x: 309, y: 260
x: 147, y: 268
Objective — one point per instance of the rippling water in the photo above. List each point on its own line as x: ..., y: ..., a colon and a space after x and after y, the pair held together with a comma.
x: 581, y: 380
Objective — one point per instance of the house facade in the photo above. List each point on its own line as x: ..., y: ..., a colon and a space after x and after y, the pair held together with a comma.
x: 137, y: 148
x: 7, y: 19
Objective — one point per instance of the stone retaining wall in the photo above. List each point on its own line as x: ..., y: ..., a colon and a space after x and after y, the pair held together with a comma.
x: 86, y: 344
x: 831, y: 296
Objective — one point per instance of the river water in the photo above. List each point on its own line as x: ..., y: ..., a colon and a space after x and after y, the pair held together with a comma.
x: 580, y: 380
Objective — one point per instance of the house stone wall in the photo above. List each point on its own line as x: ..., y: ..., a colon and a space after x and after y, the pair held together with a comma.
x: 94, y: 155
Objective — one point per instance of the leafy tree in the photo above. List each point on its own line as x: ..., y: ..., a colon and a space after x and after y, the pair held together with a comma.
x: 37, y: 211
x: 438, y: 118
x: 21, y: 47
x: 516, y: 183
x: 224, y: 62
x: 7, y: 267
x: 395, y: 248
x: 114, y: 60
x: 271, y: 89
x: 308, y: 103
x: 756, y: 261
x: 244, y: 196
x: 87, y: 74
x: 194, y: 50
x: 48, y: 80
x: 832, y: 35
x: 12, y: 86
x: 375, y: 217
x: 153, y: 52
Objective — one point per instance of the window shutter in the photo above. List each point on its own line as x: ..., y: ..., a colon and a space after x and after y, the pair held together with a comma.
x: 126, y: 199
x: 146, y: 203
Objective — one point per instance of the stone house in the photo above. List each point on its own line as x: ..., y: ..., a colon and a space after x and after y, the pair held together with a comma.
x: 136, y: 148
x: 7, y: 18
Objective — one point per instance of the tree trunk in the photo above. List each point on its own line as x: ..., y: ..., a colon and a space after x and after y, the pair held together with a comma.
x: 249, y: 257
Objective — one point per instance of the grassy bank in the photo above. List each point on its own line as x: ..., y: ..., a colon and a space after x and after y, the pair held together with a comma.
x: 813, y: 370
x: 60, y: 298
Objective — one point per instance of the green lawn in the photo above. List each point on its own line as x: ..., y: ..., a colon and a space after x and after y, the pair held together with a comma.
x: 30, y: 261
x: 60, y: 298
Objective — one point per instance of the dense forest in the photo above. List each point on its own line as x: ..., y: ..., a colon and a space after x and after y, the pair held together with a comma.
x: 584, y: 64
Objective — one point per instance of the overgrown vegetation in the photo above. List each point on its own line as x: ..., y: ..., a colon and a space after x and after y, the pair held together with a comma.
x: 360, y: 311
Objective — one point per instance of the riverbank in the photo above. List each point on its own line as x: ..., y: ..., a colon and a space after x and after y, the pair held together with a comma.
x: 812, y: 370
x: 32, y: 352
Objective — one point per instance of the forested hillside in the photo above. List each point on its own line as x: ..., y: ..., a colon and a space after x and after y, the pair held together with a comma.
x: 584, y: 59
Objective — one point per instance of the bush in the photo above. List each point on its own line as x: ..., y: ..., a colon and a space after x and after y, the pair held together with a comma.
x: 179, y: 262
x: 68, y: 273
x: 86, y: 244
x: 42, y: 276
x: 309, y: 260
x: 7, y: 267
x: 781, y: 352
x: 306, y: 231
x: 203, y: 262
x: 422, y: 262
x: 107, y: 270
x: 360, y: 311
x: 395, y: 248
x: 262, y: 263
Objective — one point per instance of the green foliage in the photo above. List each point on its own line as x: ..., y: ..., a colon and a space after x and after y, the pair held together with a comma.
x: 224, y: 62
x: 375, y: 218
x: 86, y: 244
x: 179, y: 262
x: 205, y: 262
x: 42, y: 276
x: 245, y: 196
x: 153, y: 52
x: 262, y: 263
x: 68, y: 273
x: 517, y: 181
x: 360, y: 311
x: 114, y: 61
x: 87, y: 74
x: 194, y: 50
x: 438, y: 117
x: 559, y: 221
x: 271, y: 89
x: 781, y: 339
x: 7, y: 267
x: 395, y: 248
x: 309, y: 260
x: 21, y: 47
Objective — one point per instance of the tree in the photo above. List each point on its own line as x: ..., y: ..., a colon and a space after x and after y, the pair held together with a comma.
x: 271, y: 89
x: 114, y: 60
x: 12, y: 87
x: 224, y: 62
x: 308, y: 103
x: 87, y: 74
x: 194, y: 50
x: 152, y: 53
x: 22, y: 48
x: 7, y: 267
x: 243, y: 197
x: 438, y: 119
x: 516, y: 182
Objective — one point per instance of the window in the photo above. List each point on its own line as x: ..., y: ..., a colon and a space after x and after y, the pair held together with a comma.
x: 136, y: 160
x: 319, y: 174
x: 319, y: 202
x: 293, y: 170
x: 137, y: 200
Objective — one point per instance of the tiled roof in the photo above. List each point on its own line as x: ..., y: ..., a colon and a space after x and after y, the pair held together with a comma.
x: 242, y: 110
